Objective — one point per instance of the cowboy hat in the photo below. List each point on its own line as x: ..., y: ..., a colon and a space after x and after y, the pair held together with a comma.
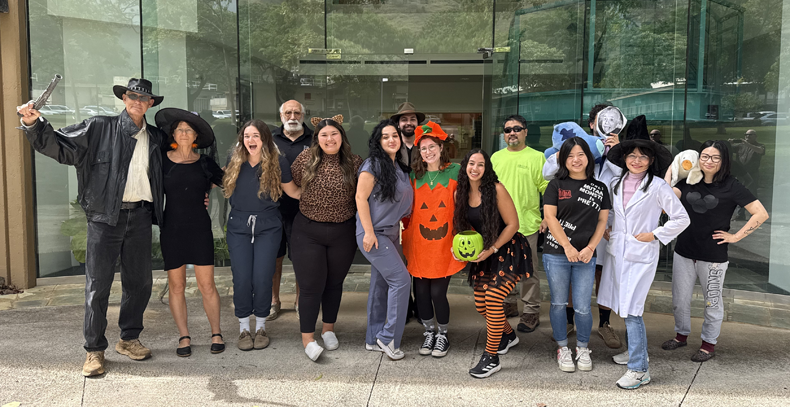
x: 166, y: 117
x: 141, y: 86
x: 407, y: 108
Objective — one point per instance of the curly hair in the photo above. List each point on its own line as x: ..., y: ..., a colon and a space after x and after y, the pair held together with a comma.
x: 419, y: 166
x: 594, y: 112
x: 317, y: 154
x: 380, y: 161
x: 269, y: 171
x: 489, y: 209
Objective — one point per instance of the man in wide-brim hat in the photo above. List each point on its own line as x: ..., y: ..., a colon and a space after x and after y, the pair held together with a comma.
x: 407, y: 119
x: 119, y: 167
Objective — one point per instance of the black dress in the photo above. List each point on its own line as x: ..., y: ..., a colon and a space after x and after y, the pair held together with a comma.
x: 512, y: 262
x: 186, y: 237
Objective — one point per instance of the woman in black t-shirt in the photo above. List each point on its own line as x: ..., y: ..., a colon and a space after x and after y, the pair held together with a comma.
x: 701, y: 250
x: 575, y: 207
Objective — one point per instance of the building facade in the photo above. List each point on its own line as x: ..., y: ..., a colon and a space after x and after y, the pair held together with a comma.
x: 698, y: 69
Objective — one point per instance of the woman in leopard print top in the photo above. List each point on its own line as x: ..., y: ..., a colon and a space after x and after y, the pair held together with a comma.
x: 324, y: 230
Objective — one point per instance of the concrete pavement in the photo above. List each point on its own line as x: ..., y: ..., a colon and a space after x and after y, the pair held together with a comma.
x: 41, y: 359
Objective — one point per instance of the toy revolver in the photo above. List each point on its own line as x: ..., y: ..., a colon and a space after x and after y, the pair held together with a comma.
x: 42, y: 100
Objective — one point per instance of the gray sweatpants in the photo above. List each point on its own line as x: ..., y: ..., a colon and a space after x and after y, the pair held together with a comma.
x: 685, y: 273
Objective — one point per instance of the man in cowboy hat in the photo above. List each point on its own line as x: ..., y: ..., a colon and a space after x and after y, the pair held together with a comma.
x: 119, y: 168
x: 408, y: 119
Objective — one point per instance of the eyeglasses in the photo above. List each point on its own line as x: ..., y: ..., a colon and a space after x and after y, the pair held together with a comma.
x: 188, y: 132
x: 290, y: 113
x: 432, y: 147
x: 514, y: 129
x: 714, y: 158
x: 135, y: 96
x: 634, y: 157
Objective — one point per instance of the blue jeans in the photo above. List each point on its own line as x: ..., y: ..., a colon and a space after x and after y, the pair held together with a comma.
x: 636, y: 336
x: 562, y: 275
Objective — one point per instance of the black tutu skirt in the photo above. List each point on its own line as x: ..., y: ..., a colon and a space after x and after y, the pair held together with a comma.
x: 512, y: 262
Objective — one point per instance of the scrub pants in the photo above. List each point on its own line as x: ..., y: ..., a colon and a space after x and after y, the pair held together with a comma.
x: 390, y: 287
x: 253, y: 239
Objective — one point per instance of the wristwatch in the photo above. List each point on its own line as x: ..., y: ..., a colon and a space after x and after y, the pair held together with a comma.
x: 494, y: 249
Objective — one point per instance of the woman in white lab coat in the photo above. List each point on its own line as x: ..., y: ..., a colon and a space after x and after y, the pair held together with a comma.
x: 639, y: 195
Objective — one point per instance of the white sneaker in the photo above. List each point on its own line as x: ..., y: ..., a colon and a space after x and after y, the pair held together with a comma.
x: 622, y: 358
x: 392, y: 353
x: 330, y: 340
x: 313, y: 350
x: 583, y: 358
x: 632, y: 380
x: 565, y: 360
x: 373, y: 348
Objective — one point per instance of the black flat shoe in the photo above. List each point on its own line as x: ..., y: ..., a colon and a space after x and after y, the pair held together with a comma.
x: 217, y: 347
x: 186, y: 350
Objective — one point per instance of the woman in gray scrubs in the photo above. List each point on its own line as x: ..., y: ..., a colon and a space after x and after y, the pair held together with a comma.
x: 384, y: 196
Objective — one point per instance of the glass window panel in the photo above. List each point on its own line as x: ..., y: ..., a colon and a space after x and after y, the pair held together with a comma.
x: 190, y: 56
x: 94, y: 44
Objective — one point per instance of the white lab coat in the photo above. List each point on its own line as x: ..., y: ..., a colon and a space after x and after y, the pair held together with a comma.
x: 603, y: 174
x: 631, y: 265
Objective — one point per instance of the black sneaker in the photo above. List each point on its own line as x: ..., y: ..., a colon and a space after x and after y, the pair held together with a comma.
x: 507, y: 342
x: 488, y: 365
x: 430, y: 341
x: 441, y: 347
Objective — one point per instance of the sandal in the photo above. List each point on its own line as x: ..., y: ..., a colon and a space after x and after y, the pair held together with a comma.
x: 217, y: 347
x: 186, y: 350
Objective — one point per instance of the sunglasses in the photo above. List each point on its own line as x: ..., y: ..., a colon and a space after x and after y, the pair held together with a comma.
x: 142, y: 98
x: 514, y: 129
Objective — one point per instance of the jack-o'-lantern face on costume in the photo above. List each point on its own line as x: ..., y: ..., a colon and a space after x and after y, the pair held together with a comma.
x: 434, y: 230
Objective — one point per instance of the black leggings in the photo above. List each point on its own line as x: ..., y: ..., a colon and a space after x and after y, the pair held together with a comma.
x: 324, y: 253
x: 431, y: 294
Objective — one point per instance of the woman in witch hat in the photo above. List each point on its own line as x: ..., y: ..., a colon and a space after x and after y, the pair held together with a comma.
x: 186, y: 237
x: 639, y: 195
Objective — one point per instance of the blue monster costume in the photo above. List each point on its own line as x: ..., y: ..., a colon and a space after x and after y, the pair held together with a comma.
x: 566, y: 130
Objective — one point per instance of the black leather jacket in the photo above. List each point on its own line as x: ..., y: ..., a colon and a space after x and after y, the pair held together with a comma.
x: 101, y: 149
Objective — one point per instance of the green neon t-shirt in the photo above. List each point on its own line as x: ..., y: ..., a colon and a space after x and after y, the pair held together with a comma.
x: 521, y: 172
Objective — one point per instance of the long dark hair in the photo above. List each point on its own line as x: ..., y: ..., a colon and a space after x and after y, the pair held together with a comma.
x: 488, y: 208
x: 317, y: 155
x: 724, y: 151
x: 380, y: 161
x: 419, y: 166
x: 565, y: 151
x: 644, y: 149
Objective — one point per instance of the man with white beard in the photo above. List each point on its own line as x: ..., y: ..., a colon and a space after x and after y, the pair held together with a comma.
x: 291, y: 138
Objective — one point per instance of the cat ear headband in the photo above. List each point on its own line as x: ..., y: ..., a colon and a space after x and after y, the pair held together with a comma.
x: 338, y: 118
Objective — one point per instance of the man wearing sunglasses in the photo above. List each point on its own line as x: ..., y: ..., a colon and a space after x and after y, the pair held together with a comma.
x: 119, y: 168
x: 519, y: 168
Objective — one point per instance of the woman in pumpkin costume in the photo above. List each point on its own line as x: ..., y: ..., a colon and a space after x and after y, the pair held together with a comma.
x: 483, y: 203
x: 427, y: 239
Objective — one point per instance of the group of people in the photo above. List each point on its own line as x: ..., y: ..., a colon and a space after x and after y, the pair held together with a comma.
x: 305, y: 190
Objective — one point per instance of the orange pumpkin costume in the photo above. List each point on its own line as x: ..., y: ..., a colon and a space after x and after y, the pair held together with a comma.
x: 428, y: 238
